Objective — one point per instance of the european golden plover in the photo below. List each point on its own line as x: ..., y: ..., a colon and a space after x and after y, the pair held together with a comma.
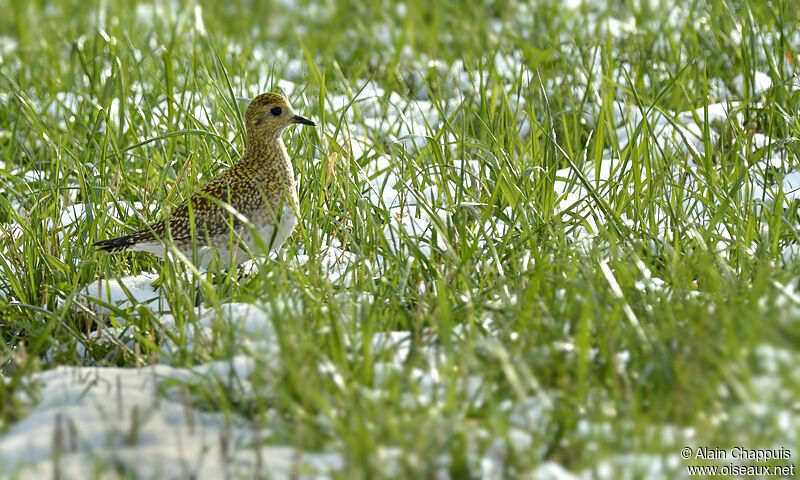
x: 259, y: 189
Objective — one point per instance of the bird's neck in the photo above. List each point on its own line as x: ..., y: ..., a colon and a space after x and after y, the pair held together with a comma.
x: 266, y: 155
x: 267, y: 158
x: 265, y: 151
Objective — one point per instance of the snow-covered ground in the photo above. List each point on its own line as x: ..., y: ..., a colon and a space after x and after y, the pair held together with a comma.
x: 119, y: 419
x: 92, y: 419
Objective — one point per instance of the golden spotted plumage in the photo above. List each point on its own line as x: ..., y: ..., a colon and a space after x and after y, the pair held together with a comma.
x: 260, y: 187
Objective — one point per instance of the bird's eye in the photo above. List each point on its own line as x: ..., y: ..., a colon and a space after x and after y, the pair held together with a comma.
x: 276, y: 111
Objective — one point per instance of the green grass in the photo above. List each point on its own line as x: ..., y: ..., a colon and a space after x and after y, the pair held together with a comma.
x: 560, y: 310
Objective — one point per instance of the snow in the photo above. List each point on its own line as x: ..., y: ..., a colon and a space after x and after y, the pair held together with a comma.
x: 124, y: 293
x: 552, y: 471
x: 758, y: 84
x: 403, y: 230
x: 339, y: 266
x: 791, y: 186
x: 91, y: 420
x: 250, y: 325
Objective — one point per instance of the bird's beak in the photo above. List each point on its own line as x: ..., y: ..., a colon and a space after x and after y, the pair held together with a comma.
x: 303, y: 120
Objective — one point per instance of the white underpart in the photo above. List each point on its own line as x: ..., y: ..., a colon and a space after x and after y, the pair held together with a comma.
x: 286, y: 224
x: 254, y: 244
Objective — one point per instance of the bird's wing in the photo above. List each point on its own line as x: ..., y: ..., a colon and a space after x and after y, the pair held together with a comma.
x: 210, y: 217
x: 241, y: 192
x: 207, y: 207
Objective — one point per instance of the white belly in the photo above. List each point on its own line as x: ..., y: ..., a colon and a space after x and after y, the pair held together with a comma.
x: 267, y: 238
x: 273, y: 239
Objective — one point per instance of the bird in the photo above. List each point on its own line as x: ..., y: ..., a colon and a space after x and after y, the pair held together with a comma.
x: 252, y: 204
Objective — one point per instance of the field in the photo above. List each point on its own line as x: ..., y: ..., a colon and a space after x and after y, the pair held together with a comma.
x: 547, y: 240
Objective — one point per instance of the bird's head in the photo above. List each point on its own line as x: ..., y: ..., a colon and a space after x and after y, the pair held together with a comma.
x: 268, y: 114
